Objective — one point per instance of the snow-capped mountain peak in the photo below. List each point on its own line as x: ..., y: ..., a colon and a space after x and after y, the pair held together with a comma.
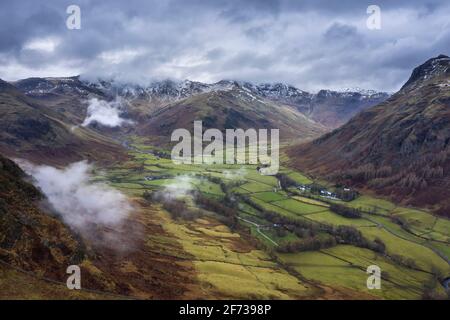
x: 431, y: 69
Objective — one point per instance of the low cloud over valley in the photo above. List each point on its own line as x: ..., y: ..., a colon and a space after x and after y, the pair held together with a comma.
x: 80, y: 201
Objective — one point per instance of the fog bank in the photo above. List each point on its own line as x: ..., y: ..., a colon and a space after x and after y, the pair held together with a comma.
x: 105, y: 113
x: 76, y: 198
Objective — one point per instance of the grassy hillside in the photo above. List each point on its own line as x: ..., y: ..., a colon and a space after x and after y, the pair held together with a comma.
x: 30, y: 238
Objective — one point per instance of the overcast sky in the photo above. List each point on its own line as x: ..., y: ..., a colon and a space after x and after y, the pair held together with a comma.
x: 310, y: 44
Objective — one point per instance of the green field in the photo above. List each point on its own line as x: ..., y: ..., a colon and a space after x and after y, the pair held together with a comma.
x: 330, y: 217
x: 368, y: 203
x: 298, y: 207
x: 345, y: 266
x: 270, y: 196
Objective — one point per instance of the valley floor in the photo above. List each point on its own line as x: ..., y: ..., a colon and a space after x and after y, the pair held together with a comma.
x: 227, y: 264
x: 202, y: 255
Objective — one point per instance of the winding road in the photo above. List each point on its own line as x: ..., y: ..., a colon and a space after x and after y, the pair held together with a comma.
x: 258, y: 230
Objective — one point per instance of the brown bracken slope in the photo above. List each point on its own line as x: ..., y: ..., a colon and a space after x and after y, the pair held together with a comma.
x: 29, y: 238
x: 115, y: 262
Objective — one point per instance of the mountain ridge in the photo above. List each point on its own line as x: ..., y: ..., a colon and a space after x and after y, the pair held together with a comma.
x: 399, y: 148
x: 34, y: 129
x: 328, y: 107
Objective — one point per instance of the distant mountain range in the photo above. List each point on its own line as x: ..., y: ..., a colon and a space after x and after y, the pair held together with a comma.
x: 399, y: 148
x: 329, y: 108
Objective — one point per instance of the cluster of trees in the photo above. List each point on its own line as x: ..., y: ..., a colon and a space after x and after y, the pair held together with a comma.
x: 433, y: 173
x: 401, y: 222
x: 346, y: 195
x: 363, y: 173
x: 308, y: 244
x: 415, y: 174
x: 212, y: 179
x: 3, y: 206
x: 150, y: 196
x: 281, y: 232
x: 339, y: 192
x: 345, y: 211
x: 226, y: 187
x: 228, y: 213
x: 315, y: 188
x: 178, y: 209
x: 351, y: 235
x: 379, y: 246
x: 379, y: 183
x: 431, y: 290
x: 162, y: 154
x: 251, y: 203
x: 329, y: 237
x: 163, y: 176
x: 403, y: 261
x: 291, y: 223
x: 285, y: 181
x: 302, y: 232
x: 412, y: 181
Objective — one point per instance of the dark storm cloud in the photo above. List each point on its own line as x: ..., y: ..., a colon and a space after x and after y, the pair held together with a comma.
x: 342, y: 32
x: 311, y: 43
